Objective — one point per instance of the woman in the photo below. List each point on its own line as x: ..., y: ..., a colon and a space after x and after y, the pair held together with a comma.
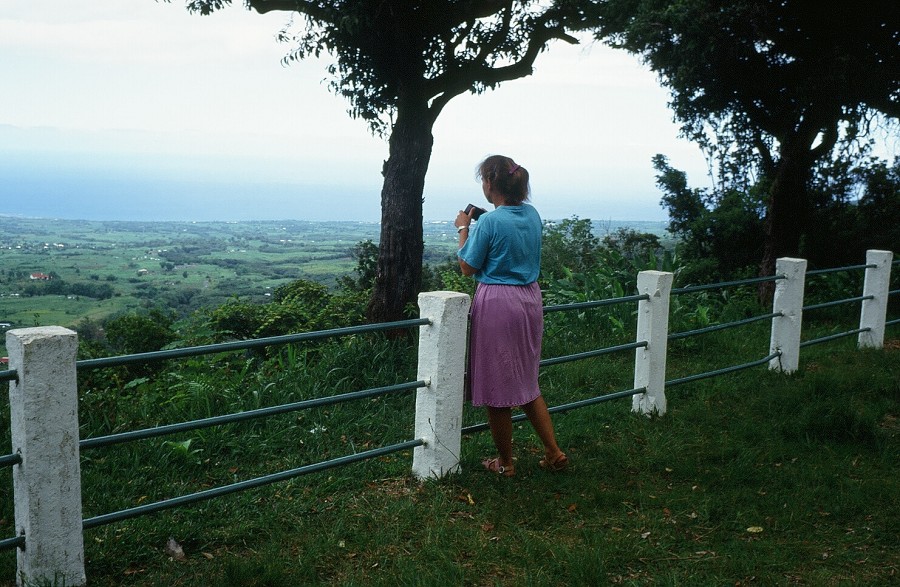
x: 503, y: 252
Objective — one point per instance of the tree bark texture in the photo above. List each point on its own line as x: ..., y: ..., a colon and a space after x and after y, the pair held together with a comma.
x: 398, y: 276
x: 787, y: 211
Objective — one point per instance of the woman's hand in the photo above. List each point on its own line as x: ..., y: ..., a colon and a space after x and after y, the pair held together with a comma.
x: 463, y: 219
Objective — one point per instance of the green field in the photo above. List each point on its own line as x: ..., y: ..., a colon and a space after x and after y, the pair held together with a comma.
x: 176, y: 265
x: 104, y: 268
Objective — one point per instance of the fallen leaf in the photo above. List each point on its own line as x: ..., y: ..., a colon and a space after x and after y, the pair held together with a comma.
x: 645, y: 535
x: 207, y: 555
x: 466, y: 497
x: 755, y: 529
x: 572, y: 507
x: 487, y: 527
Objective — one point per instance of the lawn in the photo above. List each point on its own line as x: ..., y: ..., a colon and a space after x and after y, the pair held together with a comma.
x: 750, y: 478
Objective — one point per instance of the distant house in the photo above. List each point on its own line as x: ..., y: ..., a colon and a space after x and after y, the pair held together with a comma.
x: 143, y: 272
x: 41, y: 276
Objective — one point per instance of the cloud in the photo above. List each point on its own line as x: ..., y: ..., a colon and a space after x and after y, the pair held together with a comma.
x: 138, y: 32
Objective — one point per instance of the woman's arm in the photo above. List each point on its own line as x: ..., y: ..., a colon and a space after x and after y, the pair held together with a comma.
x: 462, y: 223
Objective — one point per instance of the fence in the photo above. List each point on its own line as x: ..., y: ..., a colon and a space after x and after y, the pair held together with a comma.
x: 44, y: 397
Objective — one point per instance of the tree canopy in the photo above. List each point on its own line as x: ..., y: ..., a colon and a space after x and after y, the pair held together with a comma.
x: 770, y: 88
x: 398, y: 63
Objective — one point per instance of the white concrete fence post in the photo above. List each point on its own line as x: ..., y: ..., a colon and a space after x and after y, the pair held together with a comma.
x: 788, y: 301
x: 442, y: 362
x: 653, y: 327
x: 873, y: 314
x: 47, y: 483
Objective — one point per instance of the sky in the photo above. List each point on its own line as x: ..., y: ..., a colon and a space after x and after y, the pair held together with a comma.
x: 139, y: 110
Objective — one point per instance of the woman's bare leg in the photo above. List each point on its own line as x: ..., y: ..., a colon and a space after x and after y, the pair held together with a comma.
x: 539, y: 416
x: 500, y: 420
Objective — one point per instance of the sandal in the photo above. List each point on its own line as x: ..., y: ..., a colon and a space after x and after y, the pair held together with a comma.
x: 560, y: 463
x: 494, y: 466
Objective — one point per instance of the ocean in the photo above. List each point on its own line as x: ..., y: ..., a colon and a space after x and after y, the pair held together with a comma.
x: 116, y: 196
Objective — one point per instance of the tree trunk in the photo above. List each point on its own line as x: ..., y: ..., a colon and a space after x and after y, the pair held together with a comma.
x: 398, y: 276
x: 787, y: 212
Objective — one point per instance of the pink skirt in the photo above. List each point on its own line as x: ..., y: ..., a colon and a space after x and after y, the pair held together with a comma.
x: 505, y: 345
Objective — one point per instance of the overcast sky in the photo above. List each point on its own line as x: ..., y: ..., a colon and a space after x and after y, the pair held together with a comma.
x: 121, y: 89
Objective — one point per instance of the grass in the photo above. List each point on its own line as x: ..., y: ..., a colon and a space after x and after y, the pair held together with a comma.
x: 750, y: 478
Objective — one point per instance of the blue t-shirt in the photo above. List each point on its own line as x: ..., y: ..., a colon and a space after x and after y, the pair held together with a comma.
x: 504, y: 246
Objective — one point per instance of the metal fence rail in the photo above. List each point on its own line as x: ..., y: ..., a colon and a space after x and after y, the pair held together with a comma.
x: 723, y: 371
x: 595, y: 400
x: 10, y: 375
x: 838, y: 269
x: 837, y: 303
x: 723, y: 284
x: 239, y: 345
x: 10, y: 460
x: 244, y: 485
x: 111, y: 439
x: 563, y: 408
x: 833, y: 337
x: 595, y: 303
x: 594, y: 353
x: 10, y: 543
x: 715, y: 327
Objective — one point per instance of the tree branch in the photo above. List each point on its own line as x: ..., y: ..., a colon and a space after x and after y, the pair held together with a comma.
x: 310, y: 8
x: 768, y: 163
x: 524, y: 66
x: 458, y: 81
x: 472, y: 10
x: 498, y: 37
x: 886, y: 106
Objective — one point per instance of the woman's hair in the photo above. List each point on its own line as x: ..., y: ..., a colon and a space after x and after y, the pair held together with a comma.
x: 506, y: 177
